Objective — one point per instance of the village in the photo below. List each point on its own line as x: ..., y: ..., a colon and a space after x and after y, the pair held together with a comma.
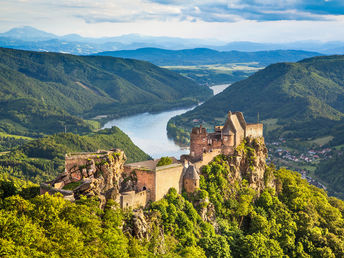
x: 302, y: 160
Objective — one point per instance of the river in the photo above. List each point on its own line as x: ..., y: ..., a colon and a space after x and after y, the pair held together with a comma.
x: 148, y: 131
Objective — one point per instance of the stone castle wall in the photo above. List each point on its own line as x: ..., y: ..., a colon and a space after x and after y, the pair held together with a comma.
x: 167, y: 177
x: 206, y: 158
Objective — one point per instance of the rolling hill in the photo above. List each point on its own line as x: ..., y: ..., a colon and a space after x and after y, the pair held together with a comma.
x: 60, y: 89
x: 205, y: 56
x: 307, y: 94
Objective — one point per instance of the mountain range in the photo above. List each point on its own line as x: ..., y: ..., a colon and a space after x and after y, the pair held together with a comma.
x: 29, y: 38
x: 59, y: 89
x: 206, y: 56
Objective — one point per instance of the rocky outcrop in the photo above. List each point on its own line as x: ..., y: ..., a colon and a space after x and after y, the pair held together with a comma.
x: 208, y: 213
x: 147, y: 226
x: 249, y: 162
x: 90, y: 174
x: 140, y: 225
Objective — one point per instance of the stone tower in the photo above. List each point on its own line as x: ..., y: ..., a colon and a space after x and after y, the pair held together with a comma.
x: 191, y: 179
x: 198, y: 142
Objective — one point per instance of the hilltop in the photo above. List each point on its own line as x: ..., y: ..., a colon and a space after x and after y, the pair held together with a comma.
x: 61, y: 89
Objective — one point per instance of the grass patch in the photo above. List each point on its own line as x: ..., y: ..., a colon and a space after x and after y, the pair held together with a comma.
x: 339, y: 147
x: 322, y: 140
x: 15, y: 136
x: 72, y: 186
x: 94, y: 124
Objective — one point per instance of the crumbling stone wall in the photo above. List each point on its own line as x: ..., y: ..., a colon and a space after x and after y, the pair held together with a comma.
x: 133, y: 200
x: 198, y: 142
x: 254, y: 130
x: 226, y: 138
x: 146, y: 181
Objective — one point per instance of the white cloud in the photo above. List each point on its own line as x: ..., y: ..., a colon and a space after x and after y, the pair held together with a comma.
x: 229, y: 20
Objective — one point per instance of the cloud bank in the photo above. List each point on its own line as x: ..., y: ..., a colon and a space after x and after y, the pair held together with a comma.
x: 119, y: 11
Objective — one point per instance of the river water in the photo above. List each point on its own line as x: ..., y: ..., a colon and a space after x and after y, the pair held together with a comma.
x: 148, y: 131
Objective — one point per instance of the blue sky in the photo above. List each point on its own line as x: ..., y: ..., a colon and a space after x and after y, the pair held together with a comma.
x: 227, y: 20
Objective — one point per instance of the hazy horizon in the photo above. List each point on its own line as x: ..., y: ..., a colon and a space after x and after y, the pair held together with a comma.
x: 181, y: 37
x: 228, y: 21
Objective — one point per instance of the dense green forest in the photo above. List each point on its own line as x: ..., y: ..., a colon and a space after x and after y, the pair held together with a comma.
x: 42, y: 159
x: 206, y: 56
x: 221, y: 219
x: 62, y: 89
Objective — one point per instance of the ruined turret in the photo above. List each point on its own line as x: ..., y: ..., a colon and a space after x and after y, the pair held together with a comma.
x: 198, y: 142
x: 191, y: 179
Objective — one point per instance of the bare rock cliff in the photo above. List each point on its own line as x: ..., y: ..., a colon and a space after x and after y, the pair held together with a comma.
x: 249, y: 162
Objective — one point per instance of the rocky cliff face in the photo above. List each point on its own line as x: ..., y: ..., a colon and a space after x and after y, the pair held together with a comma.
x: 249, y: 162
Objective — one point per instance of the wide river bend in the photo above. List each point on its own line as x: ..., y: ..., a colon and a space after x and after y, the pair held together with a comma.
x: 148, y: 131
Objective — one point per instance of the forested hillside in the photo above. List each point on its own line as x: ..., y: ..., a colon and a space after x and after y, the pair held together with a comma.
x: 60, y: 88
x: 307, y: 94
x: 288, y: 218
x: 42, y: 159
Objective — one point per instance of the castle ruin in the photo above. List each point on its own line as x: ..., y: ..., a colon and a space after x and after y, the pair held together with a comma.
x: 224, y: 139
x: 133, y: 185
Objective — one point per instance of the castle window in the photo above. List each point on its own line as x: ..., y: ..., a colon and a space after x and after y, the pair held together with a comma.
x: 144, y: 188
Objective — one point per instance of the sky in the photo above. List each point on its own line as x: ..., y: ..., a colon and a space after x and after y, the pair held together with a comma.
x: 224, y: 20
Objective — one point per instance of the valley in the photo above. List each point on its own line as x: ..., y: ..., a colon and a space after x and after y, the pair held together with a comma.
x: 66, y: 91
x: 177, y: 129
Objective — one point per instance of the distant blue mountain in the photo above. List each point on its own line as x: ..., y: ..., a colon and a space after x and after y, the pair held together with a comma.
x: 204, y: 56
x: 29, y: 38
